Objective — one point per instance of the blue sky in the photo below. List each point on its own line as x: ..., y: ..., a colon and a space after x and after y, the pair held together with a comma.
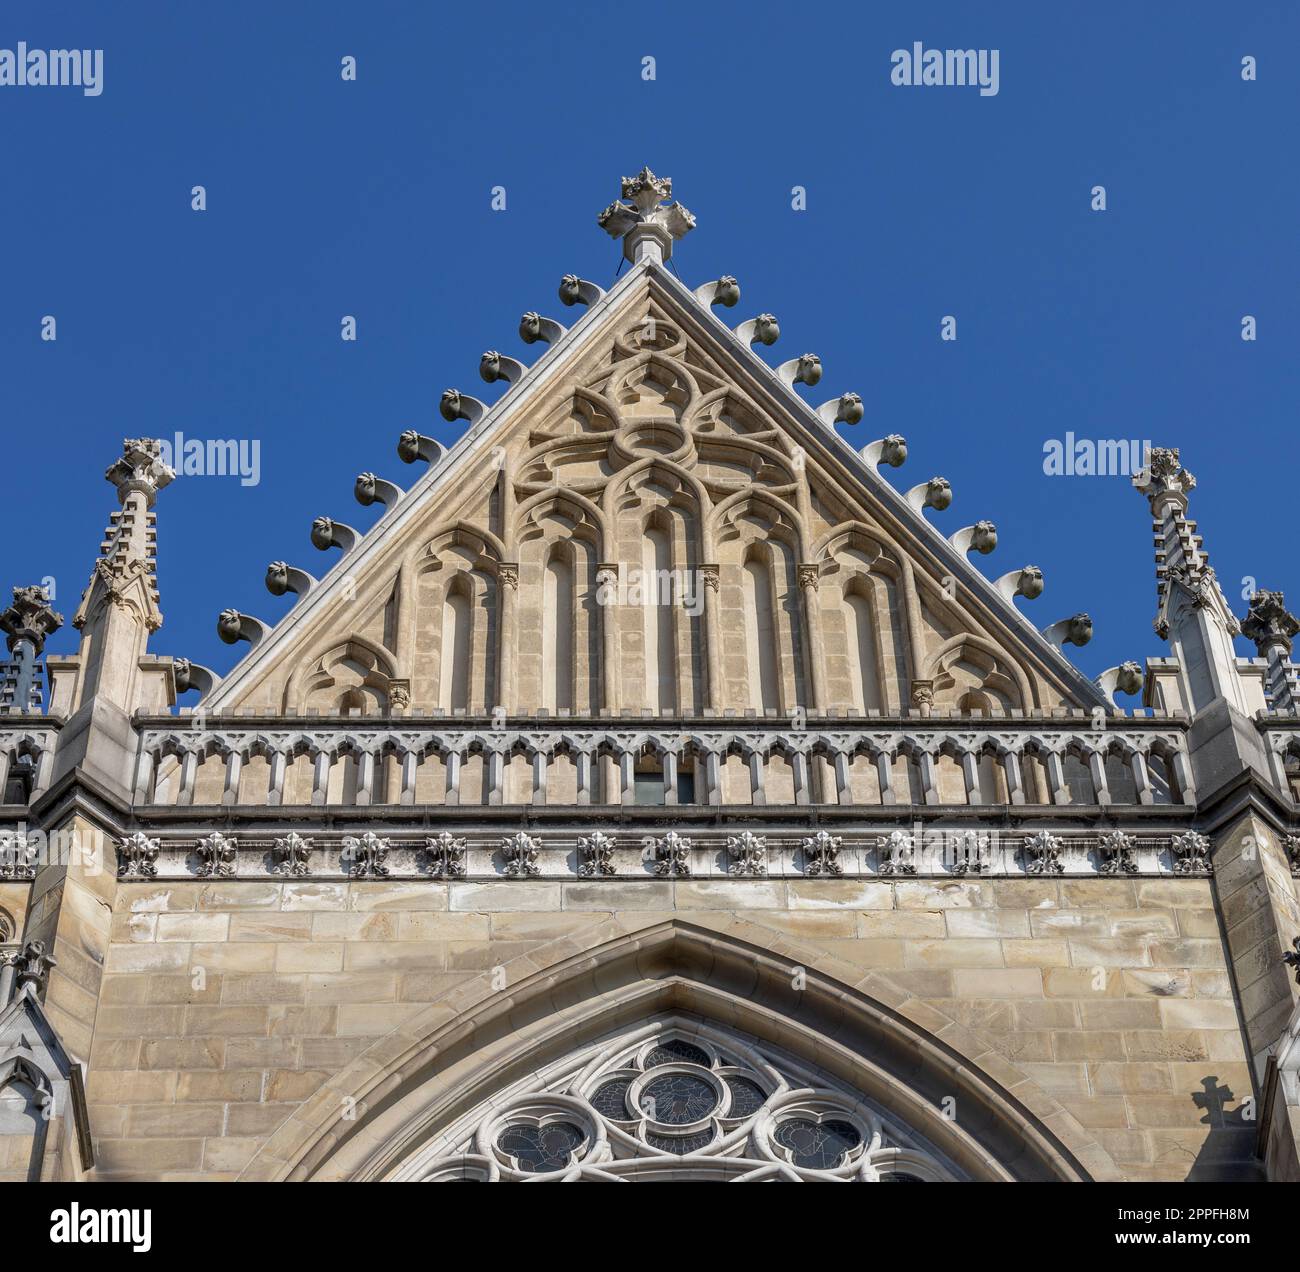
x: 372, y: 198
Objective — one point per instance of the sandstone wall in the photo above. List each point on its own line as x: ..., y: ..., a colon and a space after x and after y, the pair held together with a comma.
x: 226, y: 1005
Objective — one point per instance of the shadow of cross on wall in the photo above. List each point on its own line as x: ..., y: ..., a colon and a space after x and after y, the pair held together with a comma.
x: 1228, y: 1150
x: 1214, y: 1100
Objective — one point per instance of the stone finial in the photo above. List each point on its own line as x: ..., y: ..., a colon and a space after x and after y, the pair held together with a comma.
x: 1116, y: 853
x: 365, y: 855
x: 140, y: 469
x: 1268, y: 622
x: 897, y: 853
x: 1164, y: 476
x: 1191, y: 853
x: 293, y: 855
x: 30, y: 618
x: 647, y: 228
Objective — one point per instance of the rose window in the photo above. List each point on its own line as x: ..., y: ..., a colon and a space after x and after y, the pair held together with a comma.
x: 674, y: 1100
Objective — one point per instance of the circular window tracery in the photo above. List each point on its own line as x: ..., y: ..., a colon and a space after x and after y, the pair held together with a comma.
x: 817, y: 1145
x: 666, y: 1102
x: 538, y: 1149
x: 678, y: 1099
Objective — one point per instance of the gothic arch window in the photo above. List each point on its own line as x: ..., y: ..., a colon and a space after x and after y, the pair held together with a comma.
x: 864, y: 670
x: 457, y: 625
x: 658, y: 618
x: 558, y: 629
x: 760, y: 634
x: 677, y: 1098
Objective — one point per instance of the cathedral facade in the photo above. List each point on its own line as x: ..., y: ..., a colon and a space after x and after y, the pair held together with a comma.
x: 658, y: 790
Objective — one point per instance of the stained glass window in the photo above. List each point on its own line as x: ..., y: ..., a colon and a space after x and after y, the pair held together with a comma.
x: 678, y: 1098
x: 610, y: 1099
x: 538, y: 1149
x: 746, y: 1097
x: 675, y: 1050
x: 817, y: 1145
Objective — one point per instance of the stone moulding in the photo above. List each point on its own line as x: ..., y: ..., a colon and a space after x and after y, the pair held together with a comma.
x: 478, y: 855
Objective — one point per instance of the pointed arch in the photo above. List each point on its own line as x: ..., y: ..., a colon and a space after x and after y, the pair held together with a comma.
x: 394, y: 1097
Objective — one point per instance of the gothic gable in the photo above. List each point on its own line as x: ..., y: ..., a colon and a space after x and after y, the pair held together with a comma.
x: 648, y: 456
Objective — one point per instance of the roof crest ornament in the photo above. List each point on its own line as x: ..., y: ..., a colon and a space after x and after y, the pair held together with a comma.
x: 648, y: 230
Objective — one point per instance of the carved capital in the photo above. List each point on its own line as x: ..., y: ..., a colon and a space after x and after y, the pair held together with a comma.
x: 808, y: 576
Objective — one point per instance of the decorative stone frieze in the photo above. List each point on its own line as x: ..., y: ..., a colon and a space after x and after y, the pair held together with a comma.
x: 292, y: 852
x: 137, y: 856
x: 897, y: 853
x: 672, y: 854
x: 520, y: 853
x: 970, y: 853
x: 1191, y: 854
x: 1116, y: 849
x: 19, y: 854
x: 748, y: 853
x: 1043, y: 853
x: 216, y: 856
x: 366, y: 855
x: 596, y: 855
x: 444, y: 856
x: 821, y: 854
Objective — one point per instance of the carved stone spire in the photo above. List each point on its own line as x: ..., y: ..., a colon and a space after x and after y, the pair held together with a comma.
x: 120, y: 604
x: 1271, y: 627
x: 1193, y: 614
x: 647, y: 229
x: 26, y: 624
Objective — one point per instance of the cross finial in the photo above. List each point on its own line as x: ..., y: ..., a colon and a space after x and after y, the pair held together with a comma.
x: 648, y: 230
